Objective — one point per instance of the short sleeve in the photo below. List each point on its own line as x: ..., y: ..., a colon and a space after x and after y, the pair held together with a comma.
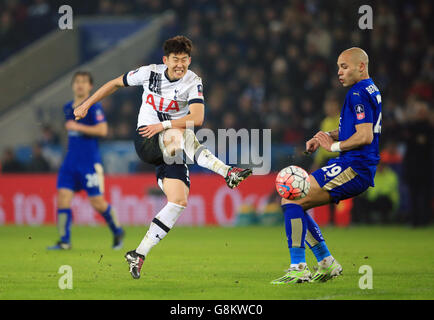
x: 136, y: 77
x: 195, y: 93
x: 97, y: 113
x: 361, y: 107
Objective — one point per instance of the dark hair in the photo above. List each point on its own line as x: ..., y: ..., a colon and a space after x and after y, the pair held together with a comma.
x: 83, y: 73
x: 178, y: 44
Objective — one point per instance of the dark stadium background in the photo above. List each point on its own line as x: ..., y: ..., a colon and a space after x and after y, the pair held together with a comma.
x: 264, y: 65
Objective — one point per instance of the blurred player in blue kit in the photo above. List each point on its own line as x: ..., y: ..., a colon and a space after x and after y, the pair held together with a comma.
x: 82, y: 168
x: 343, y: 177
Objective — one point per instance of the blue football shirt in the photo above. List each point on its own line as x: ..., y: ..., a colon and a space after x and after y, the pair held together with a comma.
x: 83, y: 149
x: 362, y: 105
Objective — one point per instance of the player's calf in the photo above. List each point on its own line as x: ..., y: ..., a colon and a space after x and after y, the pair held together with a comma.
x: 64, y: 221
x: 110, y: 216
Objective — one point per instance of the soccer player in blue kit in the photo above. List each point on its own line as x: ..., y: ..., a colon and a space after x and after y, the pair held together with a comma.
x: 343, y: 177
x: 81, y: 168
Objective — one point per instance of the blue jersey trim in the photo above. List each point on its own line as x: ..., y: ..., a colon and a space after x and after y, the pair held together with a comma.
x: 124, y: 79
x: 195, y: 101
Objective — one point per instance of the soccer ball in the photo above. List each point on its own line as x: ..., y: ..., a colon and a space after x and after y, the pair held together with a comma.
x: 293, y: 183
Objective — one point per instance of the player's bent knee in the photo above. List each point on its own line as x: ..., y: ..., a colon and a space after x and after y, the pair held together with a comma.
x: 172, y: 141
x: 98, y: 203
x: 315, y: 198
x: 171, y: 136
x: 179, y: 202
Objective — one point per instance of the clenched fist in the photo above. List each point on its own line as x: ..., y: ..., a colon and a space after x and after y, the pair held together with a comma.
x: 80, y: 112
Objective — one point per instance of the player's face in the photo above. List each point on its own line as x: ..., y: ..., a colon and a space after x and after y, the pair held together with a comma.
x: 347, y: 70
x: 177, y: 65
x: 81, y: 86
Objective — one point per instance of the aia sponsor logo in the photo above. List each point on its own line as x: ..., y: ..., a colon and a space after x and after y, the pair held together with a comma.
x: 164, y: 105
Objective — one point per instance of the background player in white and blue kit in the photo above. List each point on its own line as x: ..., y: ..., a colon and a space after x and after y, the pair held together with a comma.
x: 343, y: 177
x: 82, y: 168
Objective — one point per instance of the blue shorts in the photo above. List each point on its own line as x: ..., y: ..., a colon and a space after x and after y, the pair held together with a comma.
x: 82, y: 177
x: 340, y: 180
x: 173, y: 171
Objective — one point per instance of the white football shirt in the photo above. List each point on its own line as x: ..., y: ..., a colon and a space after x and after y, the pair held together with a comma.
x: 163, y: 99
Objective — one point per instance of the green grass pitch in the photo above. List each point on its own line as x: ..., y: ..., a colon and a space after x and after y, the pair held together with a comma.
x: 214, y: 263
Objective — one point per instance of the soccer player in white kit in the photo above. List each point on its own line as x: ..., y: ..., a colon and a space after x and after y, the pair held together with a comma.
x: 172, y: 102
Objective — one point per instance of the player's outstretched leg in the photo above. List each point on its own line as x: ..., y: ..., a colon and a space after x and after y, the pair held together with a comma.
x: 204, y: 158
x: 295, y: 227
x: 328, y: 267
x: 177, y: 193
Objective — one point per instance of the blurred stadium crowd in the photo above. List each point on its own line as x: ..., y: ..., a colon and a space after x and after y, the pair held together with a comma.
x: 274, y: 66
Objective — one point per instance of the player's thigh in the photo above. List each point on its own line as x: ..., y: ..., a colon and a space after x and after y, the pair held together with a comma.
x: 98, y: 203
x: 340, y: 180
x: 67, y: 179
x: 92, y: 179
x: 64, y: 198
x: 174, y: 180
x: 176, y: 191
x: 316, y: 196
x: 149, y: 150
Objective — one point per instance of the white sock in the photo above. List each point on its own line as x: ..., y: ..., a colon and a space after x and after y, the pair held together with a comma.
x: 299, y: 266
x: 160, y: 226
x: 204, y: 157
x: 207, y: 160
x: 326, y: 262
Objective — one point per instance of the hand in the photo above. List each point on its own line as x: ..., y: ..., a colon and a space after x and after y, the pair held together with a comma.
x: 324, y: 140
x: 71, y: 125
x: 312, y: 145
x: 80, y: 112
x: 150, y: 130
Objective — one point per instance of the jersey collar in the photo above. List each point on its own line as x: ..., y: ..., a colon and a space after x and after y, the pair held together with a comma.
x: 167, y: 77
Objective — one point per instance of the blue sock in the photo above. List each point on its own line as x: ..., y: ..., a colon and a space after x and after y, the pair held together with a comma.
x: 110, y: 217
x: 321, y: 251
x: 295, y: 227
x: 298, y: 255
x: 315, y: 240
x: 64, y: 221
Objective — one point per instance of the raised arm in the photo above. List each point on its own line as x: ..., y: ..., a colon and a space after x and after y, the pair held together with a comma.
x: 97, y: 130
x: 104, y: 91
x: 195, y: 117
